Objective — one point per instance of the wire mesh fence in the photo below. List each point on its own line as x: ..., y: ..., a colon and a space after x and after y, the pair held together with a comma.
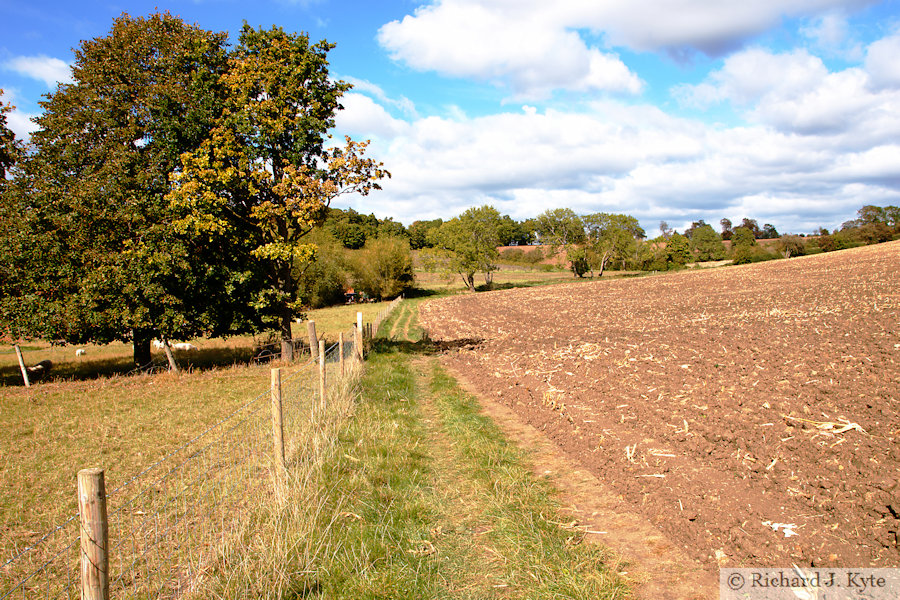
x: 168, y: 524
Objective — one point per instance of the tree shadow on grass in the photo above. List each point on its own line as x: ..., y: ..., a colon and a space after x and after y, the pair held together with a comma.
x: 100, y: 368
x: 424, y: 347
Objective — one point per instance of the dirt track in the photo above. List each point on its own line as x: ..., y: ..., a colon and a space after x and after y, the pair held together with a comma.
x: 751, y: 413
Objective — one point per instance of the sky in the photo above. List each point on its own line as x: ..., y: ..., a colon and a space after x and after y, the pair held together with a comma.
x: 783, y: 111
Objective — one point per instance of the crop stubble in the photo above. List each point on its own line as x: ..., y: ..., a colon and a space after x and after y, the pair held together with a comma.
x: 752, y: 413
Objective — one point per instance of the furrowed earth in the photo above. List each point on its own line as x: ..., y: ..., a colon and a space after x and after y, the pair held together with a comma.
x: 751, y: 413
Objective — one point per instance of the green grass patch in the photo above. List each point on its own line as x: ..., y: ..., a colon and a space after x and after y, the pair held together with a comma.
x: 435, y: 502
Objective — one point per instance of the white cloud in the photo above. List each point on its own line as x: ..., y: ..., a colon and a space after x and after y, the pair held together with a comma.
x: 364, y: 86
x: 505, y: 45
x: 21, y: 124
x: 43, y: 68
x: 795, y: 93
x: 882, y: 62
x: 362, y: 117
x: 534, y: 46
x: 18, y: 121
x: 633, y: 159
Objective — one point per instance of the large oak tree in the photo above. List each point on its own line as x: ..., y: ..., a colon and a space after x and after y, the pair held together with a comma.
x: 97, y: 258
x: 265, y: 177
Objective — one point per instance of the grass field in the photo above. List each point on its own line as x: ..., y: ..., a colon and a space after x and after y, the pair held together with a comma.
x: 116, y: 358
x: 436, y: 503
x: 417, y: 494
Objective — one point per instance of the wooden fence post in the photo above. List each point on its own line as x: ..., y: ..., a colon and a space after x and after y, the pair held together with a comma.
x: 322, y: 388
x: 173, y: 366
x: 22, y: 365
x: 313, y: 340
x: 277, y: 418
x: 94, y: 535
x: 341, y: 351
x: 359, y: 337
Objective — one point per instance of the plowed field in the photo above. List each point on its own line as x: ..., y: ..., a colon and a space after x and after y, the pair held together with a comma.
x: 752, y: 413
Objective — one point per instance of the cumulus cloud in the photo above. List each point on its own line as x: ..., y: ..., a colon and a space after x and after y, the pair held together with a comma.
x: 794, y: 92
x: 882, y: 62
x: 714, y: 28
x: 363, y: 117
x: 510, y: 45
x: 535, y: 47
x: 830, y: 34
x: 43, y: 68
x: 362, y: 85
x: 637, y: 159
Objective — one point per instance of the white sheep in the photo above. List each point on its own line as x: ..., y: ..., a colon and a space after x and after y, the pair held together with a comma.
x: 79, y: 352
x: 157, y: 344
x: 184, y: 346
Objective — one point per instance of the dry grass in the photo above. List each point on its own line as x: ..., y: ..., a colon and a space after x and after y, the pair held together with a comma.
x: 108, y: 360
x: 190, y: 474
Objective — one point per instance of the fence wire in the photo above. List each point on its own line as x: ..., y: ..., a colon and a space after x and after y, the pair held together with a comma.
x: 169, y: 523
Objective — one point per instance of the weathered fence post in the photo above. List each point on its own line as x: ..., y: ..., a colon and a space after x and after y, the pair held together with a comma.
x: 173, y: 366
x: 313, y: 340
x: 22, y: 365
x: 341, y: 351
x: 359, y: 337
x: 94, y: 535
x: 322, y: 374
x: 277, y: 418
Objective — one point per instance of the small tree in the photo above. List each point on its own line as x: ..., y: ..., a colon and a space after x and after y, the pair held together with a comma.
x: 611, y: 237
x: 383, y: 268
x: 752, y: 226
x: 727, y: 232
x: 791, y: 245
x: 323, y: 281
x: 743, y: 245
x: 678, y: 251
x: 707, y: 244
x: 471, y: 239
x: 769, y: 232
x: 578, y: 260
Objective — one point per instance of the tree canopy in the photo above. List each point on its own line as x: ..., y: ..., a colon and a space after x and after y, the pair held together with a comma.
x: 98, y: 260
x: 172, y: 184
x: 611, y: 237
x: 471, y: 239
x: 264, y: 174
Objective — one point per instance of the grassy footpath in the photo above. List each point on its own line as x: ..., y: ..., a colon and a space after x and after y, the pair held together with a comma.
x: 435, y: 503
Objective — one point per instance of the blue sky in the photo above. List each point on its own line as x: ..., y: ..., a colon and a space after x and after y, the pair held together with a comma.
x: 786, y: 111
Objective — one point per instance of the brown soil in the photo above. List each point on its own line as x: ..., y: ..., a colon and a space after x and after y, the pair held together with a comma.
x: 750, y: 413
x: 657, y: 568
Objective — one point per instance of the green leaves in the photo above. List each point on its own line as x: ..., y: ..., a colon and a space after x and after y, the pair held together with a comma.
x: 172, y: 185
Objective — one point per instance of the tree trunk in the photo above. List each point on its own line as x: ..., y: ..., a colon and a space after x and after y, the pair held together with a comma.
x: 603, y: 262
x: 287, y: 342
x: 469, y: 280
x: 142, y: 356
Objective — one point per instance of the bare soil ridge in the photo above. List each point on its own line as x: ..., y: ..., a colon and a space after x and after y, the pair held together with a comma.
x: 750, y: 413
